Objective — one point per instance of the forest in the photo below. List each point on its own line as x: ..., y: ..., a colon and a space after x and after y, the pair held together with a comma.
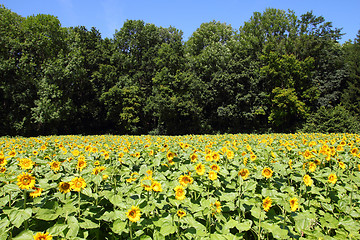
x: 279, y: 72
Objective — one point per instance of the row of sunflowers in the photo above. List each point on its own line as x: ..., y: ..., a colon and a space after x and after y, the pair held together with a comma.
x: 241, y: 186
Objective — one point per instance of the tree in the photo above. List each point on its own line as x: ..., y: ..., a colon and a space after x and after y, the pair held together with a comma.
x: 291, y: 52
x: 68, y: 92
x: 209, y: 52
x: 286, y: 109
x: 28, y: 44
x: 332, y: 120
x: 351, y: 94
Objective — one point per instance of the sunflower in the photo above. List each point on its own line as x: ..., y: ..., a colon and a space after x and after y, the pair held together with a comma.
x: 245, y: 160
x: 354, y: 151
x: 294, y: 204
x: 342, y: 165
x: 42, y: 236
x: 55, y: 166
x: 179, y: 193
x: 340, y: 148
x: 97, y: 163
x: 253, y: 157
x: 97, y: 170
x: 36, y: 193
x: 170, y: 156
x: 3, y: 160
x: 184, y: 180
x: 248, y: 147
x: 230, y: 154
x: 133, y: 214
x: 77, y: 184
x: 317, y: 161
x: 208, y: 158
x: 215, y: 167
x: 212, y: 175
x: 267, y: 203
x: 290, y: 164
x: 2, y: 169
x: 149, y: 172
x: 200, y: 169
x: 332, y: 178
x: 244, y: 173
x: 26, y: 163
x: 75, y: 153
x: 64, y: 187
x: 193, y: 157
x: 215, y: 156
x: 25, y: 181
x: 146, y: 183
x: 81, y: 164
x: 267, y: 172
x: 312, y: 166
x: 131, y: 179
x: 181, y: 213
x: 307, y: 180
x: 156, y: 186
x: 151, y: 153
x: 217, y: 205
x: 105, y: 176
x: 88, y: 148
x: 224, y: 150
x: 307, y: 154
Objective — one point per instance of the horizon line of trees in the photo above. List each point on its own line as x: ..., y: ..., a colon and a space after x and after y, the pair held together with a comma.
x: 278, y: 72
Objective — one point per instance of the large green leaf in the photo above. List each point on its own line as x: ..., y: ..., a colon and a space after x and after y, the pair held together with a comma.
x: 167, y: 229
x: 304, y: 220
x: 18, y: 216
x: 244, y: 226
x: 73, y: 224
x: 276, y: 231
x: 46, y: 214
x: 88, y: 224
x: 350, y: 224
x: 57, y: 229
x: 24, y: 235
x: 119, y: 226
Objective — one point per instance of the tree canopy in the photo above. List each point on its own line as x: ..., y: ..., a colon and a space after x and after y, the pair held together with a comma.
x: 278, y: 72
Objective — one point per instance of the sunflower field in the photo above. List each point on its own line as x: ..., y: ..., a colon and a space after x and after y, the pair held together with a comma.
x: 242, y: 186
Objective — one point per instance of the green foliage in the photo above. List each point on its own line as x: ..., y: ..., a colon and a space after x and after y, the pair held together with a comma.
x: 331, y: 120
x: 273, y: 73
x: 351, y: 94
x: 123, y: 106
x: 286, y: 108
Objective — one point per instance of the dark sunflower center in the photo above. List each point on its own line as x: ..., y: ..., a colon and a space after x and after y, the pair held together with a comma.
x: 26, y: 180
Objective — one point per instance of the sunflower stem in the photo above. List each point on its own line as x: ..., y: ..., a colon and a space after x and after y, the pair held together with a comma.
x: 96, y: 196
x: 259, y: 229
x: 26, y: 221
x: 79, y: 199
x: 240, y: 190
x: 284, y: 220
x: 178, y: 227
x: 130, y: 230
x: 208, y: 225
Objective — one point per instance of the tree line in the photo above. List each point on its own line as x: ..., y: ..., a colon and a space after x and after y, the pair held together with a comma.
x: 278, y: 72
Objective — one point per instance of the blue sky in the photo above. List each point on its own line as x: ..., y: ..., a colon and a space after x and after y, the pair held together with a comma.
x: 185, y: 15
